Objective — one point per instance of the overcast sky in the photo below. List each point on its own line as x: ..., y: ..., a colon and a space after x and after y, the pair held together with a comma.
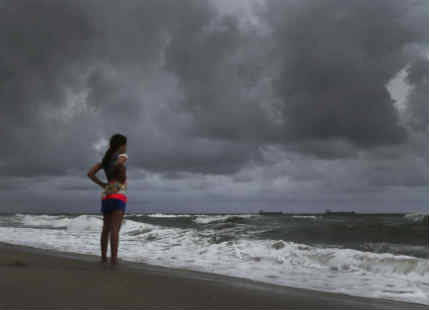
x: 228, y: 106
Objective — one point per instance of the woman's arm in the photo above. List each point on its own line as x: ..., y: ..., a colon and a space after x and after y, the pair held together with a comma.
x: 93, y: 171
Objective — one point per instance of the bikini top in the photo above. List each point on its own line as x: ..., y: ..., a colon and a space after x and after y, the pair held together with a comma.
x: 113, y: 171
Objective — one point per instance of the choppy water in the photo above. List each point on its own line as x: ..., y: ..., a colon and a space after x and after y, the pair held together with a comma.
x: 364, y: 255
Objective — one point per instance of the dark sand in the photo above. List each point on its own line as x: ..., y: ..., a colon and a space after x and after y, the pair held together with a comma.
x: 57, y: 280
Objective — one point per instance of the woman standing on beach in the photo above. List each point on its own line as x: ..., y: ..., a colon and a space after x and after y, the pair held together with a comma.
x: 114, y: 197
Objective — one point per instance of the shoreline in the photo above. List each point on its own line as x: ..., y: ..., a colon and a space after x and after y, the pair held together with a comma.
x: 33, y: 276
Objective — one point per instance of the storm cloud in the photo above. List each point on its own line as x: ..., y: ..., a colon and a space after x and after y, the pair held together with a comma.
x: 288, y: 100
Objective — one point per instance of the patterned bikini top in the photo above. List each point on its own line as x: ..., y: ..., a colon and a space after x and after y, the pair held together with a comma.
x: 113, y: 171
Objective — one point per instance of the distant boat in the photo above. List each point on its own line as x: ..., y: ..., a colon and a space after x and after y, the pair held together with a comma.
x: 262, y: 212
x: 329, y: 212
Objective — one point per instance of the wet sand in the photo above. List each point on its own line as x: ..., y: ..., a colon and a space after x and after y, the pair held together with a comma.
x: 59, y: 280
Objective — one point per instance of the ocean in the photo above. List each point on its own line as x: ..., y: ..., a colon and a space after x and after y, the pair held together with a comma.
x: 370, y: 255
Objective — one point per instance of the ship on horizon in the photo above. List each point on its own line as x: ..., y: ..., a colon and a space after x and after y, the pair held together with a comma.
x: 262, y: 212
x: 329, y: 212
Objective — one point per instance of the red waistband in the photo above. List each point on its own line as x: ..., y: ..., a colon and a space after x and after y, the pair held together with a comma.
x: 116, y: 196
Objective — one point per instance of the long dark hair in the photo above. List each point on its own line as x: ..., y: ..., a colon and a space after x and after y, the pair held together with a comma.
x: 115, y: 143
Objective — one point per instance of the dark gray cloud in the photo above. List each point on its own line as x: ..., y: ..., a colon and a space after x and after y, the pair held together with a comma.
x: 203, y: 96
x: 42, y: 43
x: 328, y: 70
x: 334, y: 67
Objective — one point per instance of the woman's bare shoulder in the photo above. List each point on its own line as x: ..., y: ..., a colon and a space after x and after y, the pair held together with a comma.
x: 121, y: 159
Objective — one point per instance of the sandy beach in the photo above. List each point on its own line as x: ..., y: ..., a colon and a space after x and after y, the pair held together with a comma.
x: 60, y: 280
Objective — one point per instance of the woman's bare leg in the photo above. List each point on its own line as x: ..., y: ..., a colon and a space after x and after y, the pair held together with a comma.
x: 107, y: 227
x: 114, y: 234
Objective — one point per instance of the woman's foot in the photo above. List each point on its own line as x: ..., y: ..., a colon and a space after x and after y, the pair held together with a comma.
x: 114, y: 261
x: 103, y: 260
